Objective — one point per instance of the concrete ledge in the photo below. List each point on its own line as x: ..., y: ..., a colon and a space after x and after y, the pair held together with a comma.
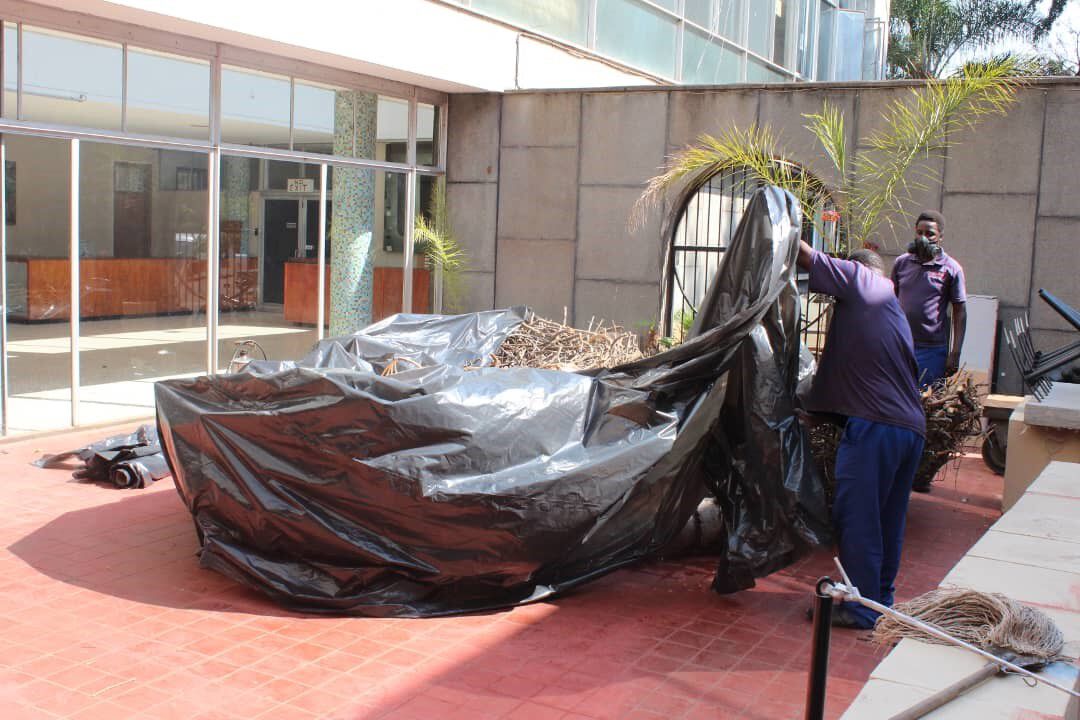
x: 1031, y: 449
x: 1032, y: 554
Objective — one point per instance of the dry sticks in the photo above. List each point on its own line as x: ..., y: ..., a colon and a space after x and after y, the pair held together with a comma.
x: 550, y: 345
x: 953, y: 415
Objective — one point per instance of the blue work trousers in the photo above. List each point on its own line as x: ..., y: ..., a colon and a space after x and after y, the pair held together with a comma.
x: 875, y: 465
x: 931, y: 361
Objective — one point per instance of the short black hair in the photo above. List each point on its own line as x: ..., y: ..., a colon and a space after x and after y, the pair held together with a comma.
x: 932, y: 216
x: 869, y: 258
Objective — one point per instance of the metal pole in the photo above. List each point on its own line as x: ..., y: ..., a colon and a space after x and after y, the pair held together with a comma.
x: 3, y: 290
x: 320, y: 311
x: 819, y: 648
x: 73, y: 249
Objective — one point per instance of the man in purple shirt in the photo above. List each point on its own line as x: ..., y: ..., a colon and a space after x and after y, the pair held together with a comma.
x: 927, y: 282
x: 866, y: 381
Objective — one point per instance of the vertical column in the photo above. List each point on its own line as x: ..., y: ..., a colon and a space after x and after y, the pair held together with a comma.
x: 74, y: 251
x: 352, y: 252
x: 236, y: 192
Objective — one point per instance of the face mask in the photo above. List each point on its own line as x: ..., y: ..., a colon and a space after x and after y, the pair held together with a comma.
x: 923, y: 249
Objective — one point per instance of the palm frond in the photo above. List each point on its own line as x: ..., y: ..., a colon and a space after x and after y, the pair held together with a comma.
x: 917, y: 129
x: 754, y: 151
x: 442, y: 252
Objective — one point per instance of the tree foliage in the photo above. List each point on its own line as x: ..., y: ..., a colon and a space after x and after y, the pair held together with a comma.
x: 926, y: 35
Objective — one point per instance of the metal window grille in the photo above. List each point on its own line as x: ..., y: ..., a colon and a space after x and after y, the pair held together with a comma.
x: 702, y: 234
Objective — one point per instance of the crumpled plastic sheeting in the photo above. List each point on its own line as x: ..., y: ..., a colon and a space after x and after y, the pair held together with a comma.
x: 442, y: 489
x: 126, y: 461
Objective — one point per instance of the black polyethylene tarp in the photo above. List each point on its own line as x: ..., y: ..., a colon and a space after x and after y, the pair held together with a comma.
x: 453, y: 487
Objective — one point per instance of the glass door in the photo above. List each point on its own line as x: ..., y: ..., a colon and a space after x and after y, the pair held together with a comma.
x: 37, y: 227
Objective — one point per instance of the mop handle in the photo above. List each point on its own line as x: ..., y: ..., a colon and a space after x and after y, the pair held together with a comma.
x: 850, y: 593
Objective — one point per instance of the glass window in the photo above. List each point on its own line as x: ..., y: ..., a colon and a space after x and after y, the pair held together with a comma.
x: 759, y: 72
x: 565, y: 19
x: 11, y: 69
x: 427, y: 134
x: 707, y: 61
x: 71, y: 80
x: 807, y: 32
x: 760, y: 29
x: 142, y: 276
x: 700, y: 12
x: 168, y: 95
x: 254, y: 108
x: 38, y: 303
x: 781, y: 31
x: 731, y: 18
x: 314, y: 118
x: 292, y: 176
x: 393, y: 122
x: 825, y: 42
x: 666, y: 4
x: 268, y: 259
x: 636, y: 34
x: 849, y: 45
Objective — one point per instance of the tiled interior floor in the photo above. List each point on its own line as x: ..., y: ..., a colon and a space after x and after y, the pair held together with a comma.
x: 104, y: 613
x: 120, y: 360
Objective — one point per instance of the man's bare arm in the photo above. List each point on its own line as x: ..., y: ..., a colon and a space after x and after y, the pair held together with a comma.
x: 959, y: 329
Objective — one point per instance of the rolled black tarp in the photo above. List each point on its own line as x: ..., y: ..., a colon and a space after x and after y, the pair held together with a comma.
x: 454, y: 487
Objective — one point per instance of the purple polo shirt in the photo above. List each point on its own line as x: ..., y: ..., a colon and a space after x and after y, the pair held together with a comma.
x: 925, y: 291
x: 867, y: 369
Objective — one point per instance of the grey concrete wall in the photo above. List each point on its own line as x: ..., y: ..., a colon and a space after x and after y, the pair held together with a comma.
x: 542, y: 185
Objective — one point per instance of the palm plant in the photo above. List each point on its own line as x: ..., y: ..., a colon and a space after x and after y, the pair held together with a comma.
x: 435, y: 239
x: 925, y: 35
x: 874, y: 184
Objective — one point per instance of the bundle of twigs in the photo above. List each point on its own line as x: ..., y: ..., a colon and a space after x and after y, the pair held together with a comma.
x: 547, y: 344
x: 986, y: 620
x: 953, y: 413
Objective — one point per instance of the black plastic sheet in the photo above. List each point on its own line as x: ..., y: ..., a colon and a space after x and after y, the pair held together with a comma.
x: 455, y: 487
x: 126, y: 461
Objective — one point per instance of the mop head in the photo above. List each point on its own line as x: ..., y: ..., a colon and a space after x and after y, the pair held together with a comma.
x: 989, y: 621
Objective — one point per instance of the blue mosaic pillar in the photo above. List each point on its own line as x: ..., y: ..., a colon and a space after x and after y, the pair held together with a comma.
x: 352, y: 248
x: 236, y: 195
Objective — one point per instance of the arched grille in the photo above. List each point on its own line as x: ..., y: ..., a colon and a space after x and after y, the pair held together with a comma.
x: 703, y: 233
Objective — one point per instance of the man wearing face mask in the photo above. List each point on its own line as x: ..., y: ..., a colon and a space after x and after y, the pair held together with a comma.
x: 927, y: 282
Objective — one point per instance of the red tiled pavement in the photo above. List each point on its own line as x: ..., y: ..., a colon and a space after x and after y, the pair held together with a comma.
x: 104, y: 613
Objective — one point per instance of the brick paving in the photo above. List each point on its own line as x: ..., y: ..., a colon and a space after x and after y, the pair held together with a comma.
x: 104, y: 613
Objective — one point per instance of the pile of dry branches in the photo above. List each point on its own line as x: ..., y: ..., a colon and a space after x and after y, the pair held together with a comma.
x: 953, y: 413
x: 550, y: 345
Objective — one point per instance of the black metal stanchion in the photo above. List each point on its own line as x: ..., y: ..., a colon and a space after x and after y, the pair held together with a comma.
x: 819, y: 647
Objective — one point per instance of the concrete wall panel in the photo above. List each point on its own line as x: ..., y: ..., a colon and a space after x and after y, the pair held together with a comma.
x: 635, y: 306
x: 698, y: 112
x: 623, y: 137
x: 1061, y: 153
x: 472, y: 151
x: 991, y: 236
x: 1057, y: 268
x: 784, y: 110
x: 538, y: 193
x: 607, y: 248
x: 538, y: 273
x: 1001, y: 153
x: 477, y: 293
x: 873, y: 106
x: 549, y: 119
x: 472, y: 208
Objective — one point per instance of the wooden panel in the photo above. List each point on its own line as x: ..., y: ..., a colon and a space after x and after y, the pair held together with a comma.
x: 301, y: 292
x: 124, y: 287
